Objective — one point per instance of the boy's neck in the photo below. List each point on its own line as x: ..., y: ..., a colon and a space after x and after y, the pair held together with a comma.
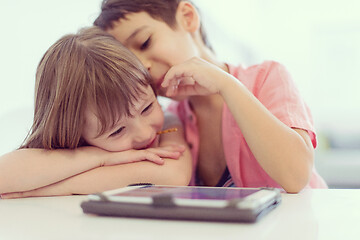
x: 207, y: 54
x: 210, y: 57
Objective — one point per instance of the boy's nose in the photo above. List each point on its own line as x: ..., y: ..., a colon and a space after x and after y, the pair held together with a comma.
x: 147, y: 65
x: 145, y: 62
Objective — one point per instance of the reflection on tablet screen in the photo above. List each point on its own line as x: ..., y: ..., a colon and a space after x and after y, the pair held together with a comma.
x: 190, y: 192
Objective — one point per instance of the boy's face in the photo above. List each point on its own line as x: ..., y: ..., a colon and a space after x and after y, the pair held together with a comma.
x: 158, y: 46
x: 138, y: 131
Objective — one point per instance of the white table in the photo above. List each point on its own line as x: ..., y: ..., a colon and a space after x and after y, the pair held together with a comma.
x: 312, y: 214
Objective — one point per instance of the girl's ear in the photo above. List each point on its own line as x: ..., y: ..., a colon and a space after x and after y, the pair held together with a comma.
x: 188, y: 17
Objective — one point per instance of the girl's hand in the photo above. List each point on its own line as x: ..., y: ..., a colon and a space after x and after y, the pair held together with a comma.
x: 194, y: 77
x: 155, y: 155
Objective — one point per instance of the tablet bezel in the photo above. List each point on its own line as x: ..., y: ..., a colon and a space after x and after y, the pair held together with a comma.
x: 256, y: 200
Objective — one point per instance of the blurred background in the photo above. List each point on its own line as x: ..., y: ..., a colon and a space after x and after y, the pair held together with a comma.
x: 318, y: 42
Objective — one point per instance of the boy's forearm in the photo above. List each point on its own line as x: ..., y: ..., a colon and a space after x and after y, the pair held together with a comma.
x: 284, y: 153
x: 28, y: 169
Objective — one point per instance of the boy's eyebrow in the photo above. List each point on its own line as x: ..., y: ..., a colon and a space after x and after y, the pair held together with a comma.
x: 135, y: 33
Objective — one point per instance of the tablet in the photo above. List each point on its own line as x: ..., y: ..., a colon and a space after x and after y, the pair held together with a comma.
x: 184, y: 203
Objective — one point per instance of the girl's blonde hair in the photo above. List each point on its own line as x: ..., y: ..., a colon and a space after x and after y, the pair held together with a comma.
x: 87, y: 69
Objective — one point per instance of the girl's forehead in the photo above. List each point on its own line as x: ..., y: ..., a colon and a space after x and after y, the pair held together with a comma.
x: 143, y: 98
x: 93, y: 125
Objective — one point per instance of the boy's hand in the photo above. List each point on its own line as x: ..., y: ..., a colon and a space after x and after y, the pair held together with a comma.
x: 155, y: 155
x: 194, y: 77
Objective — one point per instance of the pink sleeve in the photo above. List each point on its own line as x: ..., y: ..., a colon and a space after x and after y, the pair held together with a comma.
x: 275, y: 88
x: 173, y: 108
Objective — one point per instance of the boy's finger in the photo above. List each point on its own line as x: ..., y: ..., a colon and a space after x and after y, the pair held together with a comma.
x: 186, y: 80
x: 171, y: 90
x: 178, y: 81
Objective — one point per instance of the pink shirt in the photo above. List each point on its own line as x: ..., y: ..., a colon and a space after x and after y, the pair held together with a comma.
x: 272, y: 85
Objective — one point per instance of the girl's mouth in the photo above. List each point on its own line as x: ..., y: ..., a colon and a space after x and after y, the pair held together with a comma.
x: 151, y: 143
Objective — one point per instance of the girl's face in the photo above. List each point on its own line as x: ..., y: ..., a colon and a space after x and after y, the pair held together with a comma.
x: 134, y: 132
x: 158, y: 46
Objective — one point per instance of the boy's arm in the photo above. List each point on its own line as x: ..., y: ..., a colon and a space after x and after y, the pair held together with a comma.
x: 172, y: 172
x: 286, y: 154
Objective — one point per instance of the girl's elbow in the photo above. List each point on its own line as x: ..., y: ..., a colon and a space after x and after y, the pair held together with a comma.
x: 180, y: 180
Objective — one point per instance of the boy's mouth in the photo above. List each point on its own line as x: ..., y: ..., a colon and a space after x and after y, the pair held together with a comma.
x: 161, y: 79
x: 159, y: 82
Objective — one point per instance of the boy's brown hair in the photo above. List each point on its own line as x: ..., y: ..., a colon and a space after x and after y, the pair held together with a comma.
x: 89, y: 69
x: 164, y: 10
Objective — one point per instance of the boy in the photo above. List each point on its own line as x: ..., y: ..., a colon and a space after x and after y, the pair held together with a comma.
x: 246, y: 127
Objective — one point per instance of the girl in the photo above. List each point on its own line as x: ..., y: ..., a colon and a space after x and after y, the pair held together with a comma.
x: 247, y: 127
x: 91, y: 91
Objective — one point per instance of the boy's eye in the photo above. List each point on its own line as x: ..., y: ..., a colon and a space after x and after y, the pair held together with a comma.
x: 146, y: 44
x: 147, y: 108
x: 117, y: 132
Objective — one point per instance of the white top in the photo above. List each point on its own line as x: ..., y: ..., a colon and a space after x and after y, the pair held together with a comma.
x: 313, y: 214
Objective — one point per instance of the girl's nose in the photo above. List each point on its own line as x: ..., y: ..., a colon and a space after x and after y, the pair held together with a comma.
x: 143, y: 136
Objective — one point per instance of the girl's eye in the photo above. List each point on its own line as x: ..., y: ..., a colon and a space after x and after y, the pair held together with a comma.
x: 147, y: 108
x: 146, y: 44
x: 117, y: 132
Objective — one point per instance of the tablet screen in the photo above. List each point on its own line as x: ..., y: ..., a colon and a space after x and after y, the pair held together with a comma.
x: 189, y: 192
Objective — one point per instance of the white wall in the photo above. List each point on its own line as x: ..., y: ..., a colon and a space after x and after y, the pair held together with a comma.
x: 318, y: 41
x: 28, y: 28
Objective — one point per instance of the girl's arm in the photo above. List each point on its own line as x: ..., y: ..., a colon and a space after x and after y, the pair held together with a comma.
x: 286, y: 154
x: 172, y: 172
x: 28, y: 169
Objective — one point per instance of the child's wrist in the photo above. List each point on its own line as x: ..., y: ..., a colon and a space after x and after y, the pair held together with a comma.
x: 228, y: 83
x: 97, y: 156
